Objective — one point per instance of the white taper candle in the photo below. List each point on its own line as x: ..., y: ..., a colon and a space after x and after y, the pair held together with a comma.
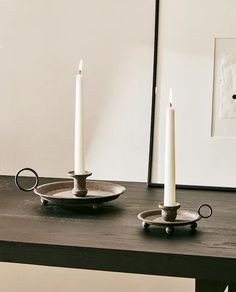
x: 169, y: 188
x: 79, y: 161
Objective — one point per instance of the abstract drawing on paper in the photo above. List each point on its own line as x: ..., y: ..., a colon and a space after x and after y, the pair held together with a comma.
x: 227, y: 86
x: 224, y: 89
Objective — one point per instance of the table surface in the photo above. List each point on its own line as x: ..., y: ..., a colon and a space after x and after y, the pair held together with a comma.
x: 112, y: 239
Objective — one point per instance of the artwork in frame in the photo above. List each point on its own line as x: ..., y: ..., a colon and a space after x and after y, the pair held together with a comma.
x: 195, y: 55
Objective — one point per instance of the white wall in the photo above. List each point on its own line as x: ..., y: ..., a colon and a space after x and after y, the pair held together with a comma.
x: 41, y: 43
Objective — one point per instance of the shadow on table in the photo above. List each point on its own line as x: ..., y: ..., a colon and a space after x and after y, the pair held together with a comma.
x: 106, y: 210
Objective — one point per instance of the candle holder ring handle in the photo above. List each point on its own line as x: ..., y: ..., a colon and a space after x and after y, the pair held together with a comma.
x: 36, y: 179
x: 204, y: 206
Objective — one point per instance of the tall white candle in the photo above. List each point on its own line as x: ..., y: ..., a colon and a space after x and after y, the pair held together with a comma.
x: 169, y: 188
x: 79, y: 164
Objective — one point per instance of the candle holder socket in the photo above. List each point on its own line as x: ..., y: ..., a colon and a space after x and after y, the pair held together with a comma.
x: 80, y: 188
x: 169, y: 213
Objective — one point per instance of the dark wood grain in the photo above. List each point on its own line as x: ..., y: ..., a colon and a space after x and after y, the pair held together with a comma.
x: 209, y: 286
x: 232, y: 287
x: 112, y: 239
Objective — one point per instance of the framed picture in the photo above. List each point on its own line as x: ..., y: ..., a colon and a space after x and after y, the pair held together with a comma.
x: 195, y: 55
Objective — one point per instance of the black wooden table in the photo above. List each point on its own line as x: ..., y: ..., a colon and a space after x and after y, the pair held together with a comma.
x: 112, y: 239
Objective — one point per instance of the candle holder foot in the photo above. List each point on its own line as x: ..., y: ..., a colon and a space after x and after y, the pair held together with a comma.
x: 169, y: 213
x: 80, y: 188
x: 169, y: 230
x: 97, y: 207
x: 193, y: 225
x: 43, y: 201
x: 145, y: 225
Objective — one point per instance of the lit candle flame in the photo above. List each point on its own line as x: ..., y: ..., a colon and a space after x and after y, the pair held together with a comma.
x: 80, y: 66
x: 171, y: 97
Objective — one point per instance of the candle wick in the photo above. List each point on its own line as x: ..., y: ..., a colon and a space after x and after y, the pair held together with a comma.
x: 80, y: 67
x: 170, y: 104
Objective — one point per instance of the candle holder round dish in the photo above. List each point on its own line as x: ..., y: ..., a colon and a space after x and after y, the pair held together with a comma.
x: 73, y: 193
x: 184, y: 217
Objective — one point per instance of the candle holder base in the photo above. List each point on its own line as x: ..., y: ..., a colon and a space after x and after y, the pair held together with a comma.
x: 184, y: 217
x: 91, y: 193
x: 80, y: 185
x: 169, y: 213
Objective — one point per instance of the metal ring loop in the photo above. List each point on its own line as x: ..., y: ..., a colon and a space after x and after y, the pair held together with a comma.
x: 210, y: 212
x: 36, y: 179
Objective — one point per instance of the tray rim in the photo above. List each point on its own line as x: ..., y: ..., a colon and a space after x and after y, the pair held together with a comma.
x: 75, y: 202
x: 167, y: 223
x: 36, y: 190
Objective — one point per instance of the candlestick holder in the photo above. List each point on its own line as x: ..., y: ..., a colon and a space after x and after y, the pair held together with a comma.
x: 80, y: 183
x: 169, y: 218
x: 74, y: 193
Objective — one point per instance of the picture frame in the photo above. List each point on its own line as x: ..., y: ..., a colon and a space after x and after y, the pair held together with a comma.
x: 185, y: 59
